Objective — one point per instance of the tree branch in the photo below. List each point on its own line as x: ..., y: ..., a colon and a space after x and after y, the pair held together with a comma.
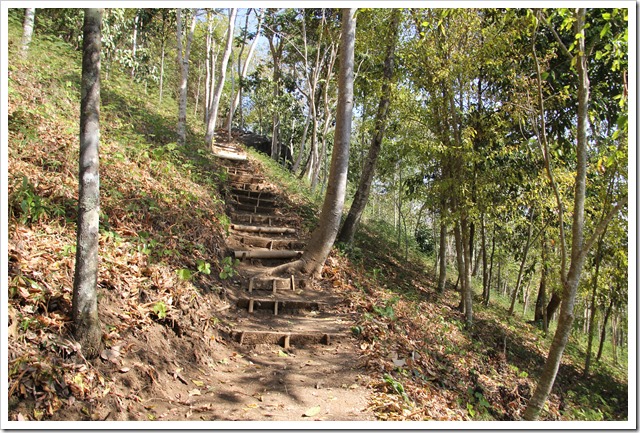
x: 602, y: 225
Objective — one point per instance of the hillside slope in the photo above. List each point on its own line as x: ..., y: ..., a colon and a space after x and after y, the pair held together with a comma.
x: 163, y: 304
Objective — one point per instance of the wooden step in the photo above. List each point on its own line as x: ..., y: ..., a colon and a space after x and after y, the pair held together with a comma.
x: 223, y: 154
x: 246, y: 178
x: 254, y: 201
x: 263, y: 229
x: 239, y: 169
x: 277, y: 305
x: 268, y: 243
x: 267, y: 220
x: 248, y: 186
x: 276, y: 284
x: 286, y: 339
x: 262, y: 210
x: 266, y: 254
x: 250, y: 193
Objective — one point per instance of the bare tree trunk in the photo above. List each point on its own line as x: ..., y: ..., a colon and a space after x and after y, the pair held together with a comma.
x: 467, y: 294
x: 442, y: 256
x: 303, y: 141
x: 134, y: 45
x: 213, y: 113
x: 603, y: 333
x: 366, y: 178
x: 579, y: 248
x: 27, y: 30
x: 233, y: 89
x: 592, y: 318
x: 525, y: 252
x: 322, y: 238
x: 183, y: 62
x: 197, y: 101
x: 235, y: 102
x: 161, y: 72
x: 209, y: 67
x: 85, y: 297
x: 485, y: 268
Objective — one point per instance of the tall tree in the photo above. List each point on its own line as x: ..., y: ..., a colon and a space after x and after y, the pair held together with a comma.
x: 579, y: 247
x: 244, y: 69
x: 27, y: 30
x: 183, y: 63
x: 364, y: 187
x: 85, y: 298
x: 215, y: 102
x: 323, y: 237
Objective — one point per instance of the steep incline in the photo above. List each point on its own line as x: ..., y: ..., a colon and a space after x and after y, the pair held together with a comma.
x: 306, y: 324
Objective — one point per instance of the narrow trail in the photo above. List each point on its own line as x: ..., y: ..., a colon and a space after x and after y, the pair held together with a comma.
x: 293, y: 333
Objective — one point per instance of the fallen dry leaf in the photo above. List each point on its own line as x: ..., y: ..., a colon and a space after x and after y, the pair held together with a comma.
x: 315, y: 410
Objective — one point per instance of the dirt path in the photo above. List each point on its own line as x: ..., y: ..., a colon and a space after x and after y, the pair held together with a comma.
x: 211, y: 358
x: 294, y: 357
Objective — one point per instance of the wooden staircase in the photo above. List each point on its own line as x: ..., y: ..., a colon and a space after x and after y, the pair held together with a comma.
x: 264, y: 232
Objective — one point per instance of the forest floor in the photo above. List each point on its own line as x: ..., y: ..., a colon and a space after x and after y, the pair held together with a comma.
x: 165, y: 310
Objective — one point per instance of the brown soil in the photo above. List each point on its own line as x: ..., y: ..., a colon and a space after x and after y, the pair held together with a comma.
x: 211, y: 359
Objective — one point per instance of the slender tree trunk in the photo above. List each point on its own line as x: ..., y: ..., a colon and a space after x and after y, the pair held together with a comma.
x: 233, y: 88
x: 485, y: 268
x: 134, y: 45
x: 603, y: 333
x: 489, y: 279
x: 578, y: 248
x: 552, y: 307
x: 442, y: 275
x: 366, y: 178
x: 209, y: 66
x: 242, y: 73
x: 161, y: 71
x: 614, y: 338
x: 85, y: 297
x: 525, y: 252
x: 197, y: 101
x: 322, y: 238
x: 526, y: 297
x: 303, y: 141
x: 27, y: 30
x: 467, y: 293
x: 213, y: 113
x: 594, y: 290
x: 183, y: 62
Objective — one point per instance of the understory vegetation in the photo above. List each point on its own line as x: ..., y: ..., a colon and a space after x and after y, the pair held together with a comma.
x: 164, y: 268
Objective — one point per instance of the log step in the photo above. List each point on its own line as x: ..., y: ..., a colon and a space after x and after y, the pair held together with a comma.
x: 276, y: 305
x: 285, y: 338
x: 222, y: 154
x: 277, y: 285
x: 246, y: 178
x: 252, y: 208
x: 263, y: 229
x: 254, y: 194
x: 268, y: 220
x: 248, y: 186
x: 226, y: 147
x: 271, y: 244
x: 239, y: 170
x: 266, y: 254
x: 254, y: 201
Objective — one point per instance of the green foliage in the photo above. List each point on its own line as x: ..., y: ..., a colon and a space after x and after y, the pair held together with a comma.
x: 160, y: 308
x: 396, y: 386
x: 386, y: 310
x: 477, y: 404
x: 184, y: 274
x: 29, y: 207
x: 203, y: 267
x: 228, y: 268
